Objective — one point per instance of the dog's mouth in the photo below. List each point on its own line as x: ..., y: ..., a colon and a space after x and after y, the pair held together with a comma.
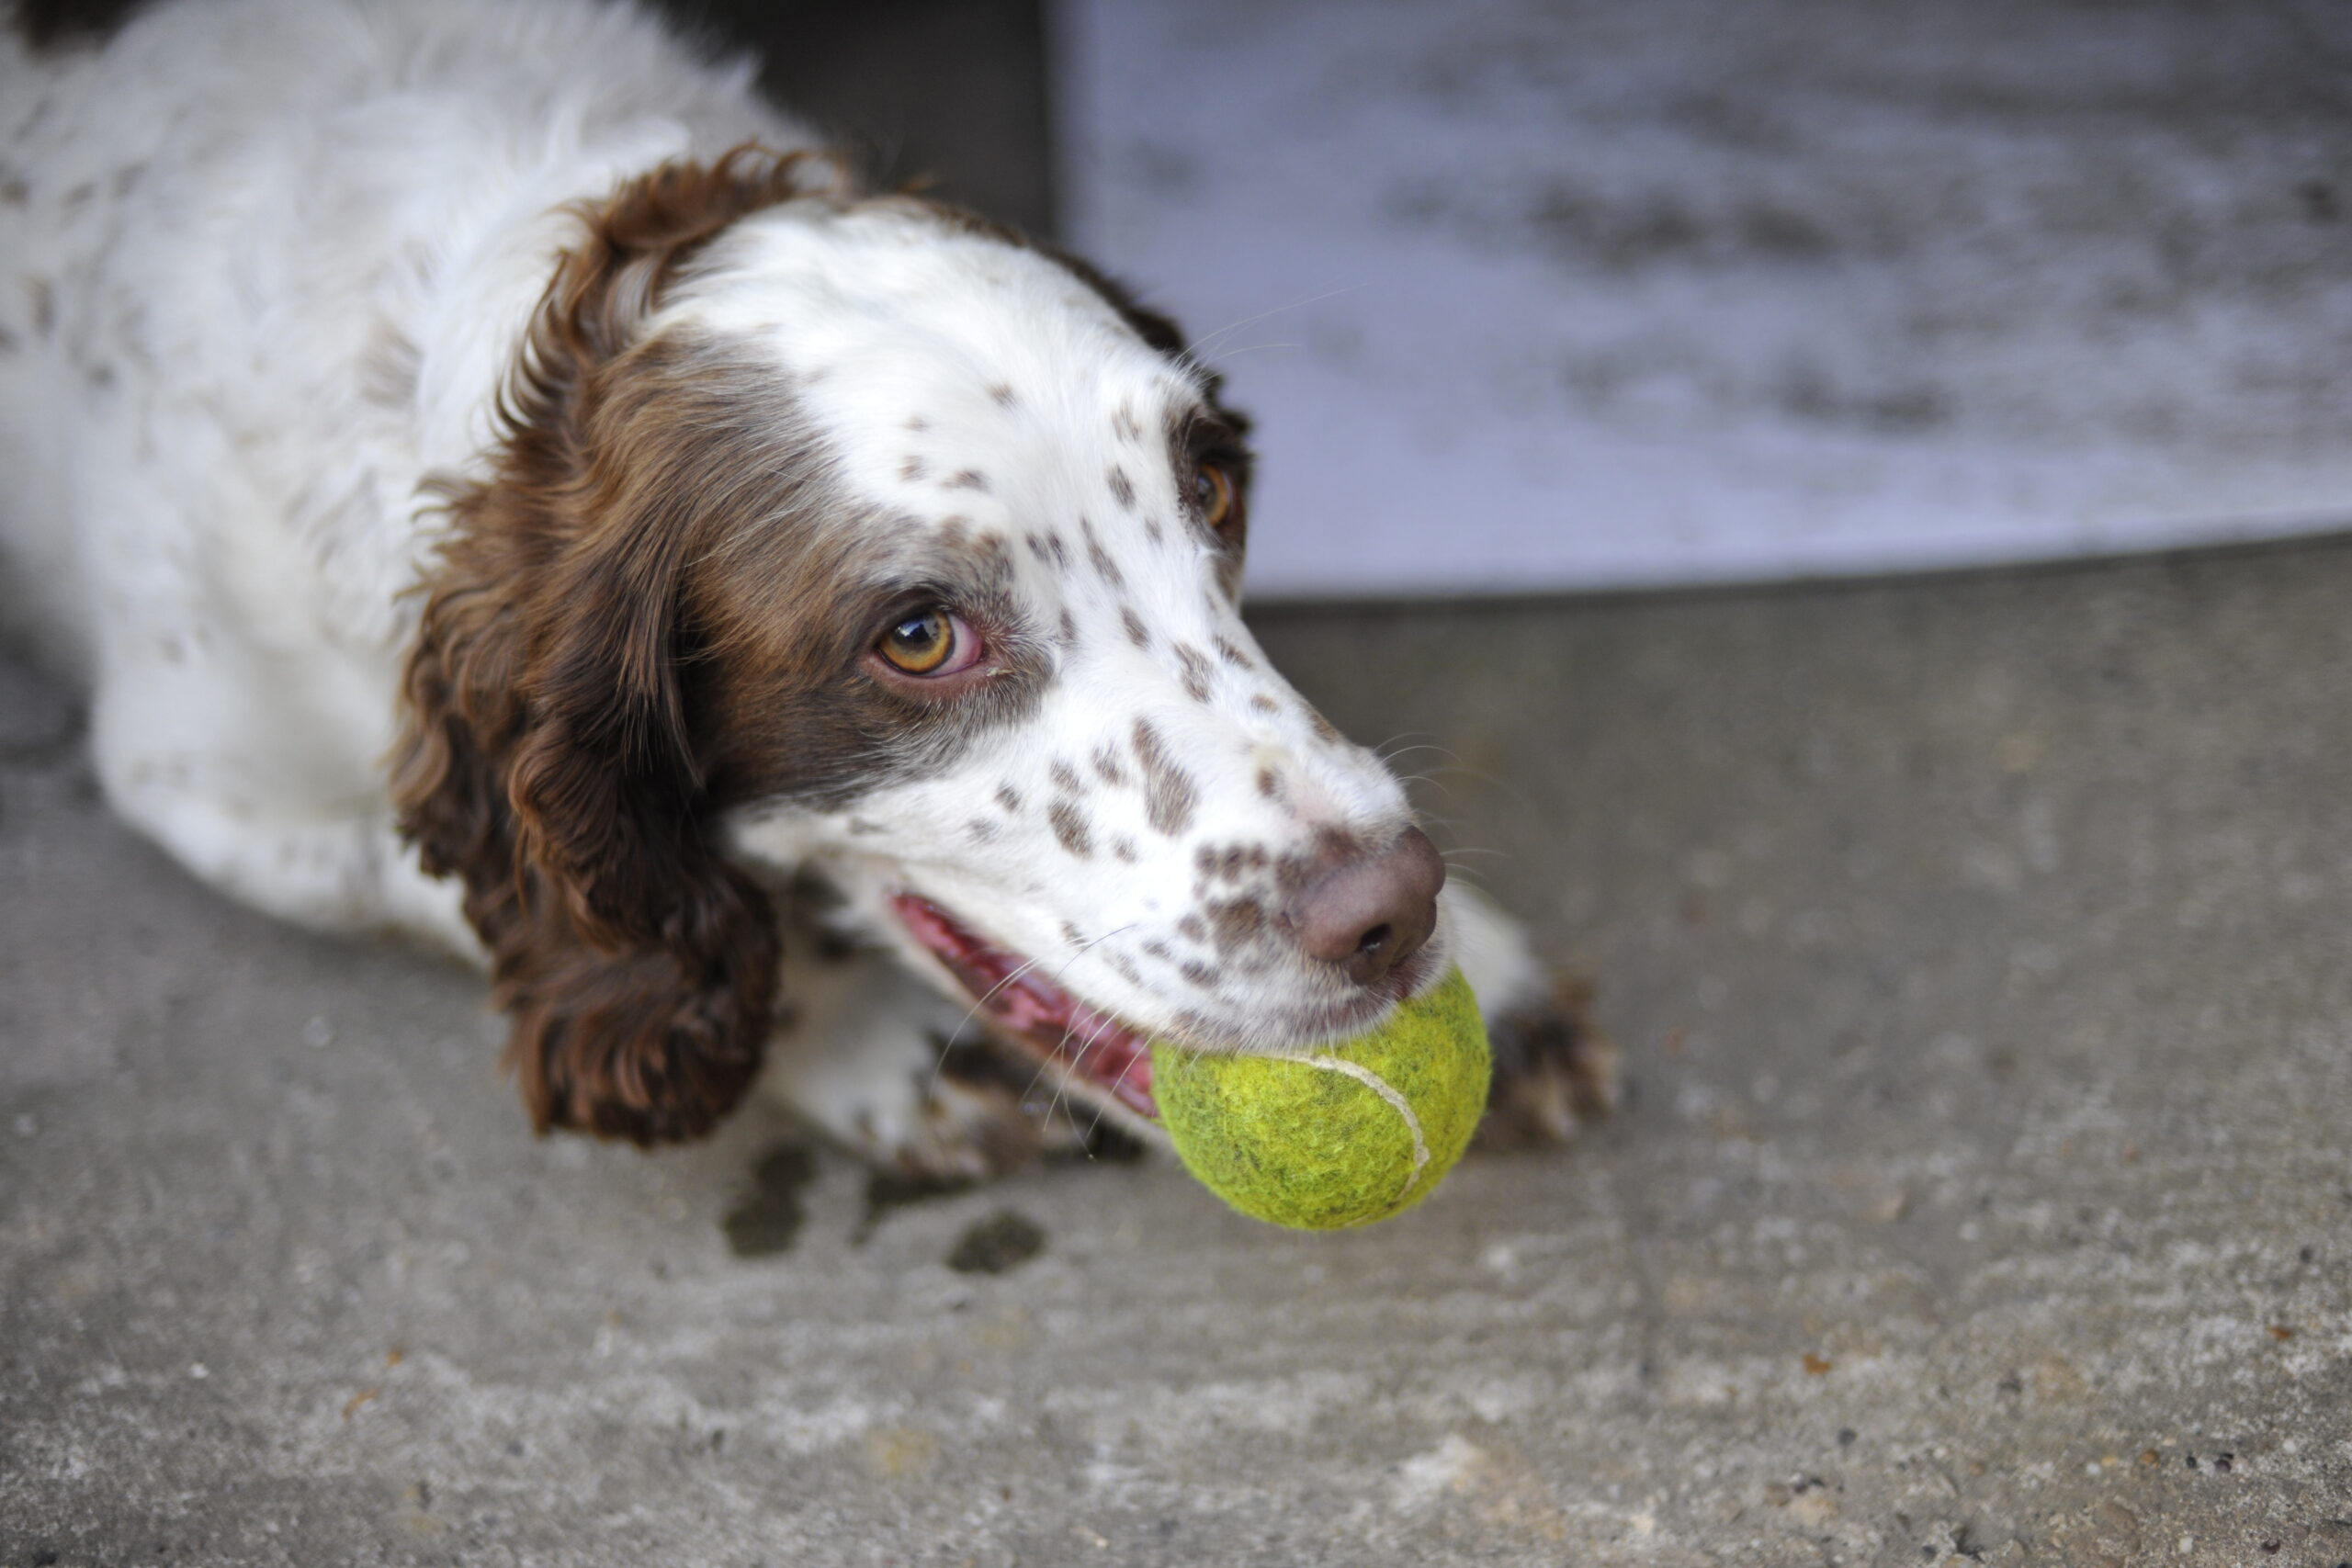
x: 1088, y: 1046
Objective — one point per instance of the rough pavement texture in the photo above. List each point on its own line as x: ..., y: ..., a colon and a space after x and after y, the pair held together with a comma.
x: 1978, y: 949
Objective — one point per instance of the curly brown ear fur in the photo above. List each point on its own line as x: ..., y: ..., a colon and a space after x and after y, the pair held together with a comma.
x: 545, y: 757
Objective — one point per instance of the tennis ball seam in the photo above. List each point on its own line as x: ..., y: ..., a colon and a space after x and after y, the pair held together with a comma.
x: 1397, y: 1103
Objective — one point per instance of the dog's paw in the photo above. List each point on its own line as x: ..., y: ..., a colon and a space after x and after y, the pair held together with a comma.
x: 976, y: 1112
x: 1554, y: 1069
x: 913, y: 1105
x: 960, y: 1126
x: 900, y: 1076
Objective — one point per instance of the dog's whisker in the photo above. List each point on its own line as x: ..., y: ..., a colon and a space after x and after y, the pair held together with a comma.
x: 1077, y: 1062
x: 1207, y: 341
x: 1512, y: 792
x: 1107, y: 1020
x: 1229, y: 356
x: 1080, y: 952
x: 1103, y: 1110
x: 1074, y: 1069
x: 939, y: 1064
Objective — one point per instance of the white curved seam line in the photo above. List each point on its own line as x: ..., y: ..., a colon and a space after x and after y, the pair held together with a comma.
x: 1379, y: 1086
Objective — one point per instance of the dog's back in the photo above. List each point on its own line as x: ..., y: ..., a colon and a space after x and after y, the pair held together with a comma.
x: 265, y: 265
x: 241, y: 234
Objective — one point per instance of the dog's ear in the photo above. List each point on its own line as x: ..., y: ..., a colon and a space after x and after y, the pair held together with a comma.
x: 545, y: 757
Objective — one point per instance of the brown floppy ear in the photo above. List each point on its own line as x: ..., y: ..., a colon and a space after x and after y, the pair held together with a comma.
x: 545, y: 757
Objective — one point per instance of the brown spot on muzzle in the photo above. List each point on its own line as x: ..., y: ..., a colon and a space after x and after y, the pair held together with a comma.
x: 1169, y: 791
x: 1070, y: 826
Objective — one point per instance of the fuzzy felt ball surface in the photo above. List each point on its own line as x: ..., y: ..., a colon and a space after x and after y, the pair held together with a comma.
x: 1339, y: 1135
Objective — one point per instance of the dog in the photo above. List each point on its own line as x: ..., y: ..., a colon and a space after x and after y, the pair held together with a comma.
x: 500, y: 483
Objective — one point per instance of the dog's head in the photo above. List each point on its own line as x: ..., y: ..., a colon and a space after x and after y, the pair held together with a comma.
x: 857, y: 534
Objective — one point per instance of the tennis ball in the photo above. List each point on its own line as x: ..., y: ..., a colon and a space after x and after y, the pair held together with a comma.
x: 1332, y: 1136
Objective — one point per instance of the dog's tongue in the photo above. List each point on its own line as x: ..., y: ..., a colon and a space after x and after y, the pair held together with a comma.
x: 1056, y: 1026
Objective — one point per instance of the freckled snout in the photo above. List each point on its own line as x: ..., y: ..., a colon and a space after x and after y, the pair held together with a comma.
x: 1370, y: 911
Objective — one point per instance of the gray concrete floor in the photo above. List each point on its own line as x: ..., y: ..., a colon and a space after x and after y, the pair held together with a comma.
x: 1978, y: 948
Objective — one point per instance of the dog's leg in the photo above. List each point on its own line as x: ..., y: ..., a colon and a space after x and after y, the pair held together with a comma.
x: 212, y: 799
x: 347, y: 875
x: 1553, y: 1069
x: 894, y: 1072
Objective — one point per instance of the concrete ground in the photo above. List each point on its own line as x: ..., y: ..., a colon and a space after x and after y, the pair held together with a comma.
x: 1978, y: 948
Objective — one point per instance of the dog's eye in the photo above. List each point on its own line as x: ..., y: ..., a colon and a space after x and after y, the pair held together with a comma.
x: 1213, y: 492
x: 929, y: 642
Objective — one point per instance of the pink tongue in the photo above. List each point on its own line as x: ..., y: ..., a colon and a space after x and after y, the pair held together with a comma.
x: 1057, y: 1026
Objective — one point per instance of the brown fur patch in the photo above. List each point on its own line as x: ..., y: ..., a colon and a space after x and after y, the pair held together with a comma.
x: 1168, y: 793
x: 1233, y: 922
x: 1071, y: 828
x: 1197, y: 670
x: 1100, y: 558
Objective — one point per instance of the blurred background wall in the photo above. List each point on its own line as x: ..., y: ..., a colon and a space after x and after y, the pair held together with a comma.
x: 1534, y: 295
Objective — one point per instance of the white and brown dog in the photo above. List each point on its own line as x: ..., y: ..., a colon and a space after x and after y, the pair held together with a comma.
x: 498, y: 483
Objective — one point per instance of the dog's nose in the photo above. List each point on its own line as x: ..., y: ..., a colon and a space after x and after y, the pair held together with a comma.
x: 1370, y: 912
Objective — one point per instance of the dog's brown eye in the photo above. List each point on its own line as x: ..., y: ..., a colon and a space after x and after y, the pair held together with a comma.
x: 922, y: 644
x: 1213, y: 493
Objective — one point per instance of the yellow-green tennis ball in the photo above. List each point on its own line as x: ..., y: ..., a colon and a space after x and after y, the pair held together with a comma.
x: 1334, y: 1135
